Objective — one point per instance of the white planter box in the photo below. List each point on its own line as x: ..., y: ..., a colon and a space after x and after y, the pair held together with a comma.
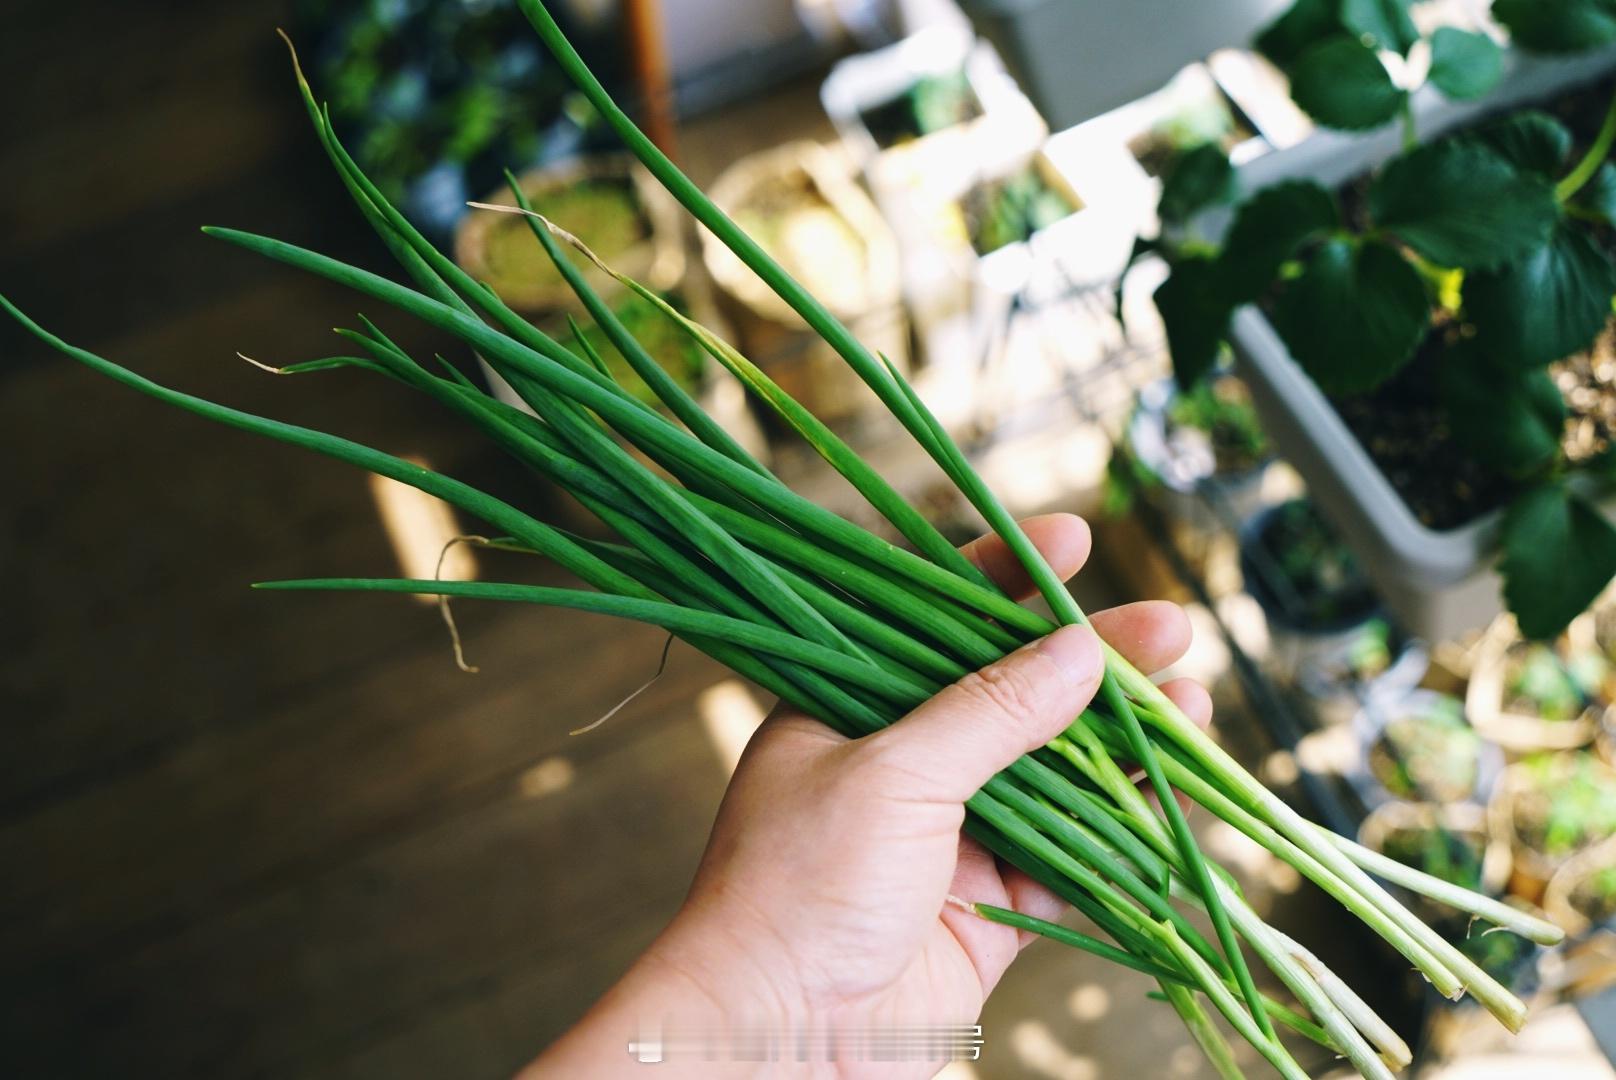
x: 1079, y: 58
x: 1440, y: 584
x: 1008, y: 127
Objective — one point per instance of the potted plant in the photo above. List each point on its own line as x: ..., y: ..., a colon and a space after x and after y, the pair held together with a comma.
x: 1421, y: 748
x: 1310, y: 588
x: 608, y: 201
x: 436, y: 100
x: 800, y: 204
x: 1426, y: 338
x: 1183, y: 443
x: 1582, y: 893
x: 928, y: 109
x: 1449, y: 841
x: 1529, y: 695
x: 1078, y: 59
x: 1550, y: 808
x: 720, y: 396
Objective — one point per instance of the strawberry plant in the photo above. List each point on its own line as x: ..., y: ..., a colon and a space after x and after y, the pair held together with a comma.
x: 1470, y: 263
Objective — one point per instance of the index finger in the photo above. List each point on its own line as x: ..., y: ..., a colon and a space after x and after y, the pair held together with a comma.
x: 1062, y: 539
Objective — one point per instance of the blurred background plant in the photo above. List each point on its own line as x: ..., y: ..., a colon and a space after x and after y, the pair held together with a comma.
x: 435, y: 99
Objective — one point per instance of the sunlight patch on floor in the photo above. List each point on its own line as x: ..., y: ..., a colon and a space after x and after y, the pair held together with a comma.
x: 420, y: 527
x: 730, y: 714
x: 545, y: 778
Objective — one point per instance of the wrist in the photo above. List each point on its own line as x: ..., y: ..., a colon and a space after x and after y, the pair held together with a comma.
x: 705, y: 977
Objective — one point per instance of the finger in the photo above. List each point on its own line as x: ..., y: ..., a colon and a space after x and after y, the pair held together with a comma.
x: 1151, y: 634
x: 1031, y: 898
x: 1192, y: 700
x: 953, y: 744
x: 1196, y: 704
x: 1062, y: 539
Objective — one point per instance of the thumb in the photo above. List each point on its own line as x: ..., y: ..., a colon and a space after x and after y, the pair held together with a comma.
x: 957, y: 741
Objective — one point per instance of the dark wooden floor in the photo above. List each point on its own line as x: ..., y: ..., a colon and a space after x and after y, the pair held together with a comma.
x: 246, y: 834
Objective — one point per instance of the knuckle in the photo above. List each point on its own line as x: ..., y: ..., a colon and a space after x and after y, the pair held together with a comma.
x: 1004, y: 688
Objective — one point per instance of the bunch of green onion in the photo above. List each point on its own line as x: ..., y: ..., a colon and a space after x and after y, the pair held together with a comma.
x: 857, y: 631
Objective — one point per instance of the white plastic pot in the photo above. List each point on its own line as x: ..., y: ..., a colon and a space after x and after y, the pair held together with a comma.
x: 1078, y: 58
x: 1440, y: 584
x: 1008, y: 127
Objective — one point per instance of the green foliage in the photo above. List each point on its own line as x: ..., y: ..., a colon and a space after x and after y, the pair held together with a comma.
x: 1341, y: 83
x: 1558, y: 26
x: 1326, y: 583
x: 1304, y: 23
x: 1429, y: 753
x: 1599, y: 197
x: 1531, y: 140
x: 1550, y: 304
x: 1383, y: 23
x: 1196, y: 311
x: 1559, y: 553
x: 1510, y: 419
x: 1462, y: 207
x: 1464, y: 65
x: 1355, y: 315
x: 1222, y: 409
x: 1268, y: 230
x: 1567, y: 804
x: 1009, y: 211
x: 1200, y: 178
x: 1540, y: 682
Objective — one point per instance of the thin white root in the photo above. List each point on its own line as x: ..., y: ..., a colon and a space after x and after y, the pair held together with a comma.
x: 443, y: 602
x: 615, y: 709
x: 261, y: 366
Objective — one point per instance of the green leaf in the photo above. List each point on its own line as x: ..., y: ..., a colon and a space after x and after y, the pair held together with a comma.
x: 1355, y: 315
x: 1559, y: 553
x: 1195, y: 308
x: 1531, y: 140
x: 1383, y: 23
x: 1599, y: 196
x: 1511, y: 420
x: 1200, y: 178
x: 1465, y: 65
x: 1142, y: 246
x: 1546, y: 306
x: 1463, y: 207
x: 1558, y: 26
x: 1304, y: 24
x: 1341, y: 83
x: 1269, y: 229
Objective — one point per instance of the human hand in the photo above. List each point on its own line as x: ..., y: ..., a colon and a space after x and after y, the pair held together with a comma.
x: 821, y: 902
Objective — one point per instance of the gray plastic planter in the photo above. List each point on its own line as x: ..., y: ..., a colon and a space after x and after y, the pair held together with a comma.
x: 1079, y: 58
x: 1440, y: 584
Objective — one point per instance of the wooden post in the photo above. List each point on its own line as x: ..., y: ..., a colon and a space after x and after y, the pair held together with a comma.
x: 649, y: 54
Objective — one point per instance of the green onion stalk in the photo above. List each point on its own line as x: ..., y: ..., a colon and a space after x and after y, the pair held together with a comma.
x: 849, y: 627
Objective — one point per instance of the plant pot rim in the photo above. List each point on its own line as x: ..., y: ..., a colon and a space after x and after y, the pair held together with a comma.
x: 1273, y: 611
x: 830, y: 176
x: 1468, y: 818
x: 1519, y: 733
x: 1557, y: 898
x: 657, y: 261
x: 1379, y: 712
x: 1150, y: 407
x: 1439, y: 582
x: 1501, y: 818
